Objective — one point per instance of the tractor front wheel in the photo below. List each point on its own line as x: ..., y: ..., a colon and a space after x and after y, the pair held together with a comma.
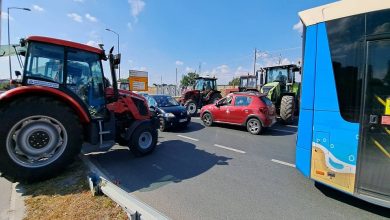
x: 287, y: 109
x: 39, y: 137
x: 144, y: 140
x: 191, y: 107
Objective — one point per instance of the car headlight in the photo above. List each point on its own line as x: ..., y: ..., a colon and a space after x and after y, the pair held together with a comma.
x: 168, y: 115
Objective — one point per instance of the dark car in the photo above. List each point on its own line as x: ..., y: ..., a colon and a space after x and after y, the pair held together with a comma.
x: 251, y: 109
x: 170, y: 113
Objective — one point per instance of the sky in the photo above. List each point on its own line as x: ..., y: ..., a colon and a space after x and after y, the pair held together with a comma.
x: 211, y: 37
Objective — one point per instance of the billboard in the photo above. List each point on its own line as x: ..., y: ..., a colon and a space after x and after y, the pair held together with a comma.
x: 138, y: 80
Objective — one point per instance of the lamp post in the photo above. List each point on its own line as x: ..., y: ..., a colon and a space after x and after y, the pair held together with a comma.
x: 9, y: 40
x: 119, y: 65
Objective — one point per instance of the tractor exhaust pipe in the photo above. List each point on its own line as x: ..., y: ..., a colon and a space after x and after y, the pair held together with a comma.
x: 114, y: 62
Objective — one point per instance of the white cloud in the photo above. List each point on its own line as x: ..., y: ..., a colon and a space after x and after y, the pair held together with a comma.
x: 75, y: 17
x: 81, y: 1
x: 38, y: 8
x: 90, y: 18
x: 142, y: 68
x: 179, y: 63
x: 93, y: 43
x: 298, y: 27
x: 189, y: 69
x: 136, y: 6
x: 4, y: 15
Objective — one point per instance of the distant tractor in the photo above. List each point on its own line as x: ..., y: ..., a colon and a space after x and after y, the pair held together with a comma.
x: 63, y: 101
x: 204, y: 92
x: 280, y: 85
x: 247, y: 83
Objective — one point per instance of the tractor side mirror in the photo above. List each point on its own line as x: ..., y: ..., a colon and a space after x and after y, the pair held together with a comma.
x: 17, y: 73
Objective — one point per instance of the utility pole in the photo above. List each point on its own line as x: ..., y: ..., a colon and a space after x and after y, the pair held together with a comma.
x: 254, y: 63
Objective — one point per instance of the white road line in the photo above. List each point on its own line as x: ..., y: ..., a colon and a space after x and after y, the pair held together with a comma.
x: 229, y: 148
x: 291, y: 132
x: 190, y: 138
x: 284, y: 163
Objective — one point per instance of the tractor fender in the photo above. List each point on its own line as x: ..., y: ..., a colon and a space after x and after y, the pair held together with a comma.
x: 24, y: 91
x: 129, y: 131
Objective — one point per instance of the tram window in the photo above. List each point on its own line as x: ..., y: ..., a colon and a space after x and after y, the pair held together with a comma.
x: 378, y: 22
x: 346, y: 41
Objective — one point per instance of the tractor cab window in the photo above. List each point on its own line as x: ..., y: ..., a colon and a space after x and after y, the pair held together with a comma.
x: 45, y: 62
x: 199, y: 84
x: 85, y: 78
x: 248, y: 82
x: 278, y: 75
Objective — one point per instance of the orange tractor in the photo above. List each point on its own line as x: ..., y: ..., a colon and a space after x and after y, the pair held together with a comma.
x: 63, y: 101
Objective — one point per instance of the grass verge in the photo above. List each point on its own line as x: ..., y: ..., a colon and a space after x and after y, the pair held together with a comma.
x: 68, y: 197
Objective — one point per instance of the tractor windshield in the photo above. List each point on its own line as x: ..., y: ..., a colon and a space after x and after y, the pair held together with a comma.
x: 205, y: 84
x: 277, y: 75
x: 248, y: 82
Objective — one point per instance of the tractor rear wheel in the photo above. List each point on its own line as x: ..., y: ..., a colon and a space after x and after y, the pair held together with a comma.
x: 191, y: 107
x: 39, y: 137
x: 144, y: 140
x: 287, y: 108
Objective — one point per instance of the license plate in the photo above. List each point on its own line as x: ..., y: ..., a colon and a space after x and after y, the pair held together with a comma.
x: 183, y: 120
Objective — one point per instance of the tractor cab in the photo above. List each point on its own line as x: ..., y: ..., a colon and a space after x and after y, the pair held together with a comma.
x: 205, y: 84
x: 280, y: 78
x: 248, y: 83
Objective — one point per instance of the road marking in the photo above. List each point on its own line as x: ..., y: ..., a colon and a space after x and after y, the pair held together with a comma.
x: 229, y: 148
x: 291, y: 132
x: 284, y: 163
x: 190, y: 138
x: 197, y: 118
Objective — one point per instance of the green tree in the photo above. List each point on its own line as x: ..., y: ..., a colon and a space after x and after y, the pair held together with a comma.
x: 189, y: 79
x: 234, y: 82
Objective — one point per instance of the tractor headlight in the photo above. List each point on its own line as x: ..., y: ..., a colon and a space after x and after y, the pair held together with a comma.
x: 168, y: 115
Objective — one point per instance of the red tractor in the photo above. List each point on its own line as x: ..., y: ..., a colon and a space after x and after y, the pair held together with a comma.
x: 63, y: 101
x: 204, y: 92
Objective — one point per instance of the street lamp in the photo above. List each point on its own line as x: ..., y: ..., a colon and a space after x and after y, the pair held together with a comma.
x: 119, y: 65
x: 9, y: 40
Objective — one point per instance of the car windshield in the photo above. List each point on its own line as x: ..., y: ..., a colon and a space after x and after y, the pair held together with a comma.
x: 165, y: 101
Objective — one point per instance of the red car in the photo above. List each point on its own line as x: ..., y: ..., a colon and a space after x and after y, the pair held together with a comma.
x: 251, y: 109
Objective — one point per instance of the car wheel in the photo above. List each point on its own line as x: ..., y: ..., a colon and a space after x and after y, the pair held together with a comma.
x: 207, y: 119
x: 254, y: 126
x: 192, y: 108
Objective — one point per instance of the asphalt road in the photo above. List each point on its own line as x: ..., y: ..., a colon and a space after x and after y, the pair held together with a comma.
x: 223, y: 172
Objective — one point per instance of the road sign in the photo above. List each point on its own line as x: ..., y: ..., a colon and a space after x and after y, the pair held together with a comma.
x: 138, y: 80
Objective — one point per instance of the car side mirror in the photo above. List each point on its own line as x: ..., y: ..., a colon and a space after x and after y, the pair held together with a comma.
x: 17, y: 73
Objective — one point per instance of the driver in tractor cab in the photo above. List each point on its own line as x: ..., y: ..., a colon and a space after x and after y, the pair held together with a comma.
x: 280, y: 78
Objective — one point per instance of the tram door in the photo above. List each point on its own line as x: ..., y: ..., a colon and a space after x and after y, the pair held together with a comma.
x: 374, y: 153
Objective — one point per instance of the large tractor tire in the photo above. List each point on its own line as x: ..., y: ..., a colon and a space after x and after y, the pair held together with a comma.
x: 192, y: 107
x: 39, y: 137
x: 144, y: 140
x: 287, y: 108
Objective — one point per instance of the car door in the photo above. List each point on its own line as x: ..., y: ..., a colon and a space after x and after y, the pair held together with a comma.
x: 222, y: 111
x: 240, y: 109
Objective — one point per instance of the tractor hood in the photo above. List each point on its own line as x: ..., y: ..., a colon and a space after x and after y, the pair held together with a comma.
x: 270, y: 89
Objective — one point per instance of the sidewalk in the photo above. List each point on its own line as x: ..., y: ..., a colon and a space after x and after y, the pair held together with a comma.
x: 11, y: 201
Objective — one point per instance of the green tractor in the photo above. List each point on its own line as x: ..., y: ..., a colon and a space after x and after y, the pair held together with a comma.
x: 280, y: 85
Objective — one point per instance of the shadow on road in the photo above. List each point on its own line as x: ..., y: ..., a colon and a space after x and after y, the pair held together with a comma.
x: 193, y: 126
x: 353, y: 201
x: 172, y: 162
